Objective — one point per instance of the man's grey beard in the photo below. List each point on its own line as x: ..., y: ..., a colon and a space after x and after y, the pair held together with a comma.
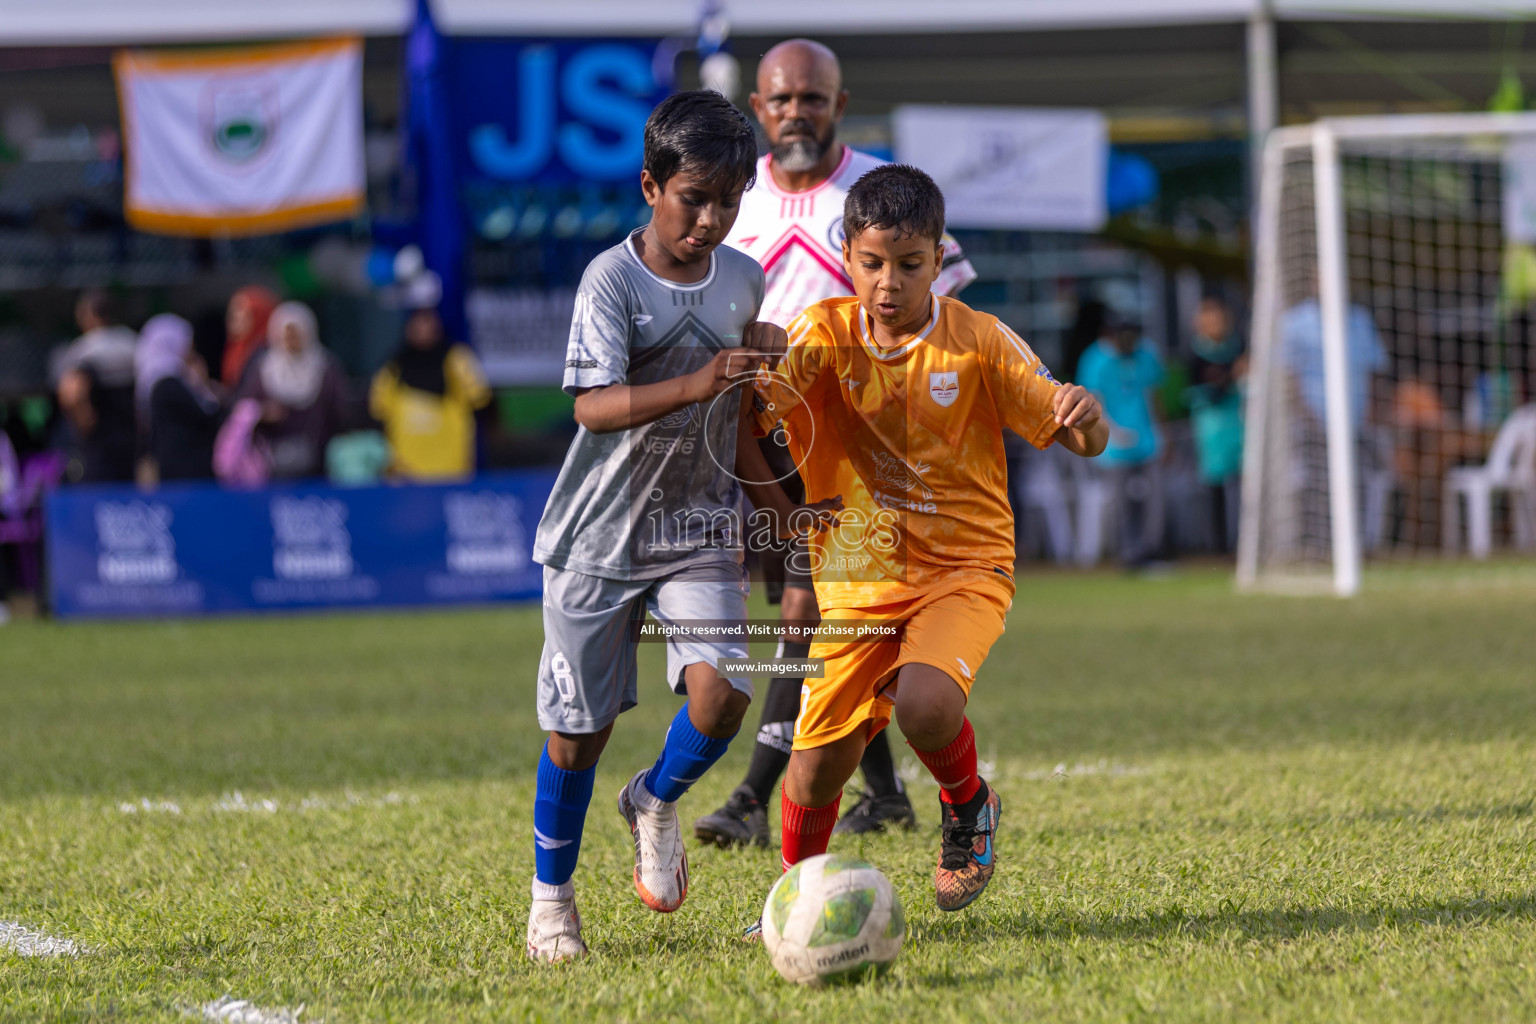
x: 801, y: 155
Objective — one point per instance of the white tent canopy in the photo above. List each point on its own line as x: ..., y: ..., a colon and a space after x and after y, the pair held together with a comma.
x: 83, y: 22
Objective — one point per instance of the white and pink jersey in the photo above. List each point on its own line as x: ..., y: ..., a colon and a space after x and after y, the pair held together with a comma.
x: 798, y: 238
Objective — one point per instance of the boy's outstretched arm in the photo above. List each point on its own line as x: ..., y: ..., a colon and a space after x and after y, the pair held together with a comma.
x: 1082, y: 429
x: 763, y: 490
x: 603, y: 410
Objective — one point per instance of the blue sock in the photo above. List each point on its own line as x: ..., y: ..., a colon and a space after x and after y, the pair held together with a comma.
x: 559, y: 812
x: 685, y: 757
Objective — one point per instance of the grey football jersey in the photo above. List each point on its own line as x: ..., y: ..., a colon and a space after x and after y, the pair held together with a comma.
x: 646, y: 502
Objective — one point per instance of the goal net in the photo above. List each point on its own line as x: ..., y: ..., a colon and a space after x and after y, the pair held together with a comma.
x: 1391, y: 365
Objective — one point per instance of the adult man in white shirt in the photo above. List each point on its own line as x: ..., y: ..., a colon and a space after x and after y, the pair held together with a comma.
x: 791, y: 221
x: 105, y: 346
x: 93, y: 380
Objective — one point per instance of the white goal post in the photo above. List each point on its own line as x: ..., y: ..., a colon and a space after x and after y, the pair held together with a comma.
x: 1382, y: 263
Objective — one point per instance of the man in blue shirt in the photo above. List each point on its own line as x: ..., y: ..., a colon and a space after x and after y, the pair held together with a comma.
x: 1301, y: 337
x: 1123, y: 370
x: 1302, y: 331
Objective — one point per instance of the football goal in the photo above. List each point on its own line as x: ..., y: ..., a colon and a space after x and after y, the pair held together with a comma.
x: 1394, y: 319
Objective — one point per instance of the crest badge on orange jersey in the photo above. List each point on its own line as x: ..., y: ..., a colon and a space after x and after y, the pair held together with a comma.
x: 944, y: 387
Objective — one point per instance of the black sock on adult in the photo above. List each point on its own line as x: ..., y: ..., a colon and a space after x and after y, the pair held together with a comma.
x: 880, y: 776
x: 776, y: 732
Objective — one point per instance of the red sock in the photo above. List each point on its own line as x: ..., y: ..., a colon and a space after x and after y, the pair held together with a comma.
x: 806, y: 829
x: 954, y: 767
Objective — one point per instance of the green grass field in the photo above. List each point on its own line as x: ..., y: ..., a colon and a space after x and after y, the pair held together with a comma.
x: 1271, y: 808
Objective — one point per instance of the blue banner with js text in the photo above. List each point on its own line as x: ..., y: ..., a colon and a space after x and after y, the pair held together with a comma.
x: 551, y: 110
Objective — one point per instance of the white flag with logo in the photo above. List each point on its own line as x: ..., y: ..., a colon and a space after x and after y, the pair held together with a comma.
x: 1010, y: 167
x: 243, y: 141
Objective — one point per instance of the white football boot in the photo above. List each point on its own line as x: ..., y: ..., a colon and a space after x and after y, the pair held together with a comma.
x: 661, y: 864
x: 554, y: 924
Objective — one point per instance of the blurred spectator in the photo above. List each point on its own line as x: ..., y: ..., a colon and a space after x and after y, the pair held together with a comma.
x: 240, y: 458
x: 1428, y: 444
x: 250, y: 309
x: 177, y: 408
x: 100, y: 426
x: 427, y: 395
x: 301, y: 392
x: 1216, y: 413
x: 1123, y: 369
x: 95, y: 391
x: 1416, y: 405
x: 105, y: 346
x: 1302, y: 331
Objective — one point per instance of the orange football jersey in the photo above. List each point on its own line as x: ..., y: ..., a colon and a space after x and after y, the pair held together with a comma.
x: 911, y: 437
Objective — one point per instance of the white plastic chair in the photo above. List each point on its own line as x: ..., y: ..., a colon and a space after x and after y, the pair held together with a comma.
x: 1511, y: 467
x: 1378, y: 472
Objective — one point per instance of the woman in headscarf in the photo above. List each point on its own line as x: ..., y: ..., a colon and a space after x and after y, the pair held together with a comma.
x: 178, y: 411
x: 302, y: 392
x: 246, y: 325
x: 426, y: 396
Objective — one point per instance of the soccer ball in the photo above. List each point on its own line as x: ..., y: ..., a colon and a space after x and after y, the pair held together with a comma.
x: 832, y: 919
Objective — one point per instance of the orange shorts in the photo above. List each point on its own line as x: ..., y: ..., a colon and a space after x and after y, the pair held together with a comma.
x: 951, y: 627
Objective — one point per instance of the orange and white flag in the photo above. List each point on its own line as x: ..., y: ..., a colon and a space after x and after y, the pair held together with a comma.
x: 242, y: 141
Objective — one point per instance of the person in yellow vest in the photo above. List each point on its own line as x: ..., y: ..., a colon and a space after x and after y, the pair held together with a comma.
x: 427, y: 395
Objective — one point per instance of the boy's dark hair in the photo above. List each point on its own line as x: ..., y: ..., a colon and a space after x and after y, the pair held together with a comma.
x: 703, y: 133
x: 895, y: 196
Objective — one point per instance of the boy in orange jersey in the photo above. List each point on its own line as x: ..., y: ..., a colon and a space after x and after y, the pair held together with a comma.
x: 897, y: 400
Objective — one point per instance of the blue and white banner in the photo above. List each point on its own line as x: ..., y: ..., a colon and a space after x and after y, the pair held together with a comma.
x: 197, y: 549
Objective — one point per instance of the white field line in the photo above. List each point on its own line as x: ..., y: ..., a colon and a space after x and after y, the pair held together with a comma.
x: 1102, y: 766
x: 229, y: 1010
x: 914, y: 774
x: 28, y: 942
x: 237, y: 803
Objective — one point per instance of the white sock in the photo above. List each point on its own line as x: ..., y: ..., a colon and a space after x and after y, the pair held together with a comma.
x: 644, y: 799
x: 545, y: 891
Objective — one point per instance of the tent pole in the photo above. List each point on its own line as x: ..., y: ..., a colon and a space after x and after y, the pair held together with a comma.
x: 1263, y: 91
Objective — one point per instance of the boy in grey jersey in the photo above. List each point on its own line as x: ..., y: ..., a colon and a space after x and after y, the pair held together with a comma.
x: 659, y: 497
x: 645, y: 515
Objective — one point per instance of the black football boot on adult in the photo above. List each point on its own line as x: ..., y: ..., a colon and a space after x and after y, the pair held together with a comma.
x: 876, y: 814
x: 743, y: 821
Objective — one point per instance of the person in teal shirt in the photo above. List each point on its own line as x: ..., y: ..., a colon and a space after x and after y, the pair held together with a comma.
x: 1215, y: 399
x: 1123, y: 369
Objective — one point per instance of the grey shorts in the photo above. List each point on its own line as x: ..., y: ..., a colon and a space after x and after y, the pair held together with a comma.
x: 587, y: 673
